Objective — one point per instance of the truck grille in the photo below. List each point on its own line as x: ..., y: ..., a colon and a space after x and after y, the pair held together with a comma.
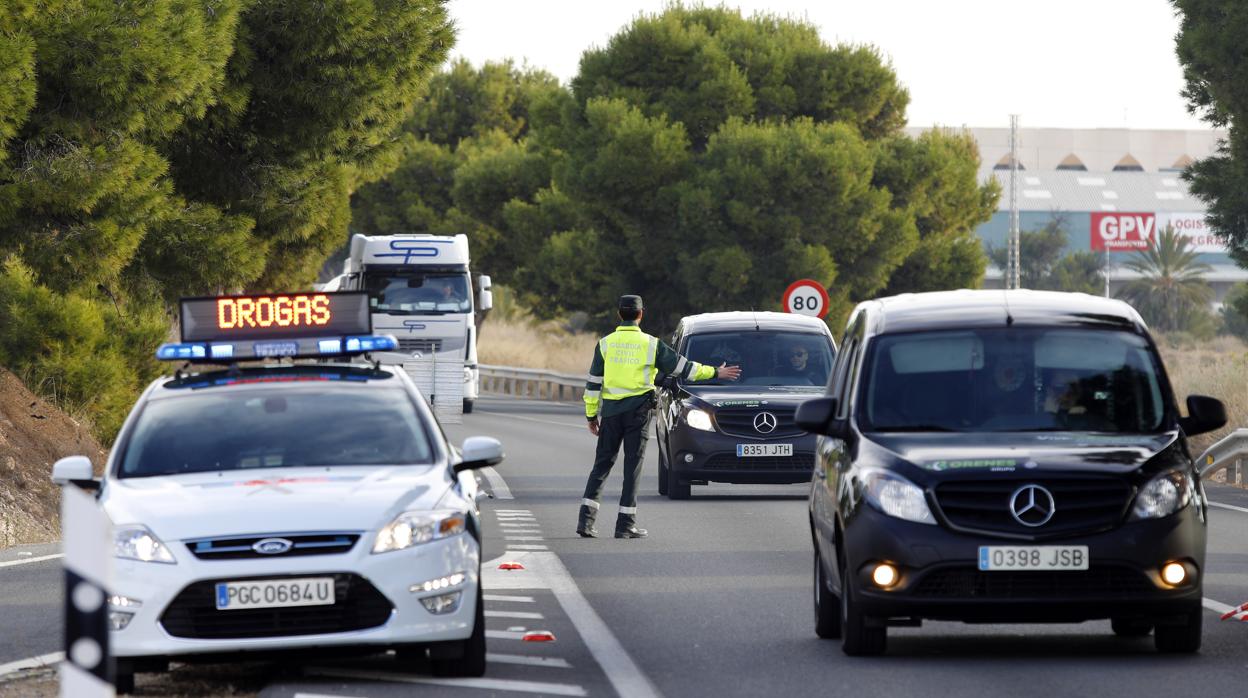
x: 798, y: 462
x: 423, y: 346
x: 357, y: 606
x: 1081, y: 505
x: 239, y: 547
x: 739, y: 421
x: 1107, y: 581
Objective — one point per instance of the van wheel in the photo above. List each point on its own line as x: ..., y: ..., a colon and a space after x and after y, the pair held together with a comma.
x: 858, y: 639
x: 1181, y: 639
x: 675, y: 488
x: 827, y: 604
x: 663, y: 470
x: 472, y: 663
x: 1131, y: 627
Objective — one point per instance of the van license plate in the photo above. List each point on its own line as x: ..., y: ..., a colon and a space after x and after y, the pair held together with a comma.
x: 751, y: 450
x: 277, y: 593
x: 1013, y: 558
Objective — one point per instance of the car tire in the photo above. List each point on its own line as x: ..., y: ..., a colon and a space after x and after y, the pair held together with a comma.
x: 1181, y: 639
x: 472, y: 662
x: 468, y: 405
x: 858, y: 638
x: 1131, y: 627
x: 827, y: 604
x: 675, y: 488
x: 663, y: 471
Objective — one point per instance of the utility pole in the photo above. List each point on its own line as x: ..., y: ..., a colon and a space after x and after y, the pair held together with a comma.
x: 1013, y: 271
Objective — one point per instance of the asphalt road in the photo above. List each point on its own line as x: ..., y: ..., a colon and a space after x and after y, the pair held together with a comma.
x: 715, y: 602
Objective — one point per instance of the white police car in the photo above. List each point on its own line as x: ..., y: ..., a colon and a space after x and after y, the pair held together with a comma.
x: 290, y: 506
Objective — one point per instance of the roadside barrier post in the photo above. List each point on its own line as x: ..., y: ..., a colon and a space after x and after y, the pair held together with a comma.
x: 87, y: 671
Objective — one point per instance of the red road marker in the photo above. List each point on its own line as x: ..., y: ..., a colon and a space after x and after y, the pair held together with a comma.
x: 539, y: 636
x: 1240, y: 613
x: 511, y: 566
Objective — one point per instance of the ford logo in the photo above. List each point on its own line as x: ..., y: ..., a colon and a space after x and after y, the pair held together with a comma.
x: 272, y: 546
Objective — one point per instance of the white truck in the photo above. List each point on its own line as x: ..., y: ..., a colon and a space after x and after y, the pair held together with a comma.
x: 421, y: 290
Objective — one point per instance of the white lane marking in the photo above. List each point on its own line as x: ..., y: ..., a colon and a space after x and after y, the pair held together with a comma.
x: 1217, y: 606
x: 29, y: 560
x: 551, y: 689
x: 523, y: 538
x: 580, y: 427
x: 504, y: 635
x: 513, y: 511
x: 553, y: 662
x: 505, y: 597
x: 526, y: 615
x: 498, y: 486
x: 320, y: 695
x: 42, y: 660
x: 1232, y: 507
x: 508, y: 523
x: 525, y: 546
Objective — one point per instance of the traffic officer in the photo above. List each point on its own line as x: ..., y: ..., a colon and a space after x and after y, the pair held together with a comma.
x: 622, y: 373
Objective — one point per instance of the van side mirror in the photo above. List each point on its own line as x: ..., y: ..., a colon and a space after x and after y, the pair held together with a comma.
x: 818, y: 416
x: 74, y: 469
x: 1204, y: 414
x: 479, y: 452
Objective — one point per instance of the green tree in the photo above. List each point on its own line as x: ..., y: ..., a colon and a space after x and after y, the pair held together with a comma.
x: 1170, y: 290
x: 1235, y: 311
x: 1215, y: 68
x: 1045, y: 264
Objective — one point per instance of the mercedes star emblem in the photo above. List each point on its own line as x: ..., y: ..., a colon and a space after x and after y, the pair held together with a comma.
x: 764, y: 422
x: 1032, y: 505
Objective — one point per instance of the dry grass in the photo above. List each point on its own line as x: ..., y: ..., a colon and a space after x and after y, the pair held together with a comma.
x: 525, y: 343
x: 1218, y: 368
x: 184, y: 681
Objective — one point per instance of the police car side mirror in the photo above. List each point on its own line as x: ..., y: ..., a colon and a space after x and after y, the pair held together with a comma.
x: 479, y: 452
x: 76, y: 470
x: 818, y: 416
x: 1205, y: 414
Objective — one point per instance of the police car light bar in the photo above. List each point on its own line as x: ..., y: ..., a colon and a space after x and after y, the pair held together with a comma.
x: 297, y: 325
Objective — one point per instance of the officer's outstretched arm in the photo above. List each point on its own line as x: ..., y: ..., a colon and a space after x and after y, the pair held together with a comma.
x: 668, y: 361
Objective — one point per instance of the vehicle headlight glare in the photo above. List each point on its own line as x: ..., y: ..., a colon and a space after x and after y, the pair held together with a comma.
x: 896, y: 497
x: 138, y: 543
x: 417, y: 527
x: 1164, y: 495
x: 699, y: 419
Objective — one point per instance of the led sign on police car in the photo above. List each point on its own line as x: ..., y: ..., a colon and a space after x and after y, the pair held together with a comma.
x: 275, y: 316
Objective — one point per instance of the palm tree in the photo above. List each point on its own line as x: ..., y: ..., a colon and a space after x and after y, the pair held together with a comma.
x: 1170, y: 290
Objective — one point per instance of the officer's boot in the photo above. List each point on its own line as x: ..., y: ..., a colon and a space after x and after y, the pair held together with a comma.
x: 626, y: 527
x: 585, y: 522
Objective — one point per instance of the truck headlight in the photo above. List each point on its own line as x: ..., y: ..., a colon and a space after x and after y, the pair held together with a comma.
x: 699, y: 419
x: 1164, y: 495
x: 417, y: 527
x: 138, y: 543
x: 896, y: 496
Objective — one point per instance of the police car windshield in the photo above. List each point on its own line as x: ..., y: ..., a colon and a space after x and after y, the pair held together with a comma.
x: 767, y: 358
x: 1012, y: 379
x: 279, y: 427
x: 414, y: 293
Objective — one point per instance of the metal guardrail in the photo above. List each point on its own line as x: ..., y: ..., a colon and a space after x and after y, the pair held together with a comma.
x: 1229, y: 453
x: 530, y: 382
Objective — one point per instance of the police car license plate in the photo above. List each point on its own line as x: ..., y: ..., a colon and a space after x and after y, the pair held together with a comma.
x: 1013, y: 558
x: 278, y: 593
x: 752, y: 450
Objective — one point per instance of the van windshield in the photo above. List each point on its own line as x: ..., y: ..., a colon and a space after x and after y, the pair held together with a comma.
x: 282, y: 427
x: 765, y: 358
x: 1012, y: 379
x: 415, y: 293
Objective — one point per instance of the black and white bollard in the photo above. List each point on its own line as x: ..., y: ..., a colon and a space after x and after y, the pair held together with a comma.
x: 87, y: 671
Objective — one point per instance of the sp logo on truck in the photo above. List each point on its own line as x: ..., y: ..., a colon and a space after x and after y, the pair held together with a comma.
x: 409, y: 249
x: 1123, y: 231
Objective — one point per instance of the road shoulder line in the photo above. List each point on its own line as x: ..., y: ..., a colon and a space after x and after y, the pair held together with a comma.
x: 29, y: 560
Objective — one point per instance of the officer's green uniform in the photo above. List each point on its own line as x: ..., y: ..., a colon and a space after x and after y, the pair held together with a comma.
x: 620, y: 392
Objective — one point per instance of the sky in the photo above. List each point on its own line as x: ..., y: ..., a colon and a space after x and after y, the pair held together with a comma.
x: 1055, y: 63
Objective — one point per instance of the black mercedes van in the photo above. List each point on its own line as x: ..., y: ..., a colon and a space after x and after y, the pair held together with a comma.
x: 1005, y: 457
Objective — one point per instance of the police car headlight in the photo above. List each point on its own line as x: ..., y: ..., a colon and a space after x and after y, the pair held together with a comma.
x: 138, y: 543
x: 417, y: 527
x: 896, y: 496
x: 699, y: 419
x: 1164, y: 495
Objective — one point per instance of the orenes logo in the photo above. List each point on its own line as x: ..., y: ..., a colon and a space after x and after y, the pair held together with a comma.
x: 272, y: 546
x: 1032, y: 505
x: 765, y: 422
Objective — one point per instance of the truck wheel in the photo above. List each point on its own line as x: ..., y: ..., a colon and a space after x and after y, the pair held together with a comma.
x: 1180, y: 639
x: 468, y: 406
x: 472, y: 662
x: 827, y: 604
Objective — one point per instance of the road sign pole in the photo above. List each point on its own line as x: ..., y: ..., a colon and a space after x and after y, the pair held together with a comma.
x: 87, y: 671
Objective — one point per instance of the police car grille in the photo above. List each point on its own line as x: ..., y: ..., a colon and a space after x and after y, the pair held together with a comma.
x: 1105, y: 581
x: 739, y: 421
x: 424, y: 346
x: 235, y: 548
x: 799, y: 462
x: 1081, y: 505
x: 357, y: 606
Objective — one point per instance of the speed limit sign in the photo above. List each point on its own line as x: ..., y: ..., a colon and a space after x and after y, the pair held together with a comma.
x: 806, y: 297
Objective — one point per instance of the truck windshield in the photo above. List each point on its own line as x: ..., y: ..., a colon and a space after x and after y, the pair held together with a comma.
x: 275, y: 428
x: 765, y: 358
x: 1012, y: 379
x: 415, y: 293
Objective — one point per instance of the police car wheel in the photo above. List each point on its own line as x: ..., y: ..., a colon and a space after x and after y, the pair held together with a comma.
x: 472, y: 663
x: 827, y: 605
x: 468, y: 404
x: 123, y: 678
x: 1180, y: 639
x: 859, y: 638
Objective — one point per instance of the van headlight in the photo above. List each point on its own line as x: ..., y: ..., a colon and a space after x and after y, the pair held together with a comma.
x: 699, y: 419
x: 417, y: 527
x: 138, y: 543
x: 896, y: 496
x: 1166, y: 494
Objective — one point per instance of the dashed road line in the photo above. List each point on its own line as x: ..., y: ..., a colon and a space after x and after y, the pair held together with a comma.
x: 541, y: 687
x: 520, y: 546
x: 523, y: 538
x: 1216, y: 606
x: 505, y: 597
x: 526, y: 615
x: 525, y: 660
x: 29, y: 560
x: 1232, y: 507
x: 504, y: 634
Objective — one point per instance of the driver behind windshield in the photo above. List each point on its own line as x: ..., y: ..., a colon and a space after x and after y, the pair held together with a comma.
x: 795, y: 363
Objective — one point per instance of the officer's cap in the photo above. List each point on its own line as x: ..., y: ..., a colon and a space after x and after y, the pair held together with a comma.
x: 631, y: 303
